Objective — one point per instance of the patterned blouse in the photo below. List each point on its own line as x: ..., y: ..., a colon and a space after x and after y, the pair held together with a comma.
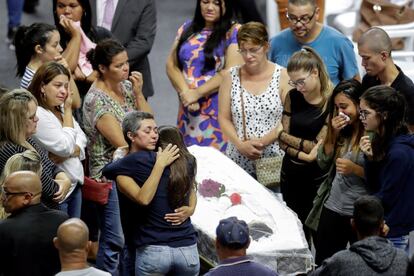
x: 98, y: 103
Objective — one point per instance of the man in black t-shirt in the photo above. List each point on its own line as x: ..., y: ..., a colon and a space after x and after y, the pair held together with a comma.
x: 374, y: 47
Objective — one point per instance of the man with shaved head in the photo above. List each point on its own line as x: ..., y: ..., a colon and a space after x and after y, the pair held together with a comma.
x: 26, y: 236
x: 374, y: 47
x: 73, y: 244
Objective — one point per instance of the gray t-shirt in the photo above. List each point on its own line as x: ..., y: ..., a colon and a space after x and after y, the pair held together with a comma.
x: 346, y: 188
x: 90, y: 271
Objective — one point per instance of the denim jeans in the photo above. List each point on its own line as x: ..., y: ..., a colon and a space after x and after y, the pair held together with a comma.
x: 127, y: 261
x: 111, y: 238
x: 73, y: 204
x: 162, y: 260
x: 15, y: 11
x: 401, y: 242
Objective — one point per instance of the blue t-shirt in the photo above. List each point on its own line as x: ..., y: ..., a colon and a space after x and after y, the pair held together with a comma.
x: 152, y: 228
x: 336, y: 50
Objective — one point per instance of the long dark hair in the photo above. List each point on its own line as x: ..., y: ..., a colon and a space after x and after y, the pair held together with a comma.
x: 182, y: 171
x: 86, y: 23
x: 390, y: 107
x: 352, y: 89
x: 26, y: 39
x: 221, y: 27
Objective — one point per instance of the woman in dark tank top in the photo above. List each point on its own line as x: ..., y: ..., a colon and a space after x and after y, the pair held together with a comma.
x: 304, y: 125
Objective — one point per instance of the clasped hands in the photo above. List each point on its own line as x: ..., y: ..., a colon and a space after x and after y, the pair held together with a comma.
x: 189, y: 98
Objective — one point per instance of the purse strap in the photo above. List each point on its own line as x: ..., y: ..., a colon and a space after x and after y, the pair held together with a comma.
x: 242, y: 107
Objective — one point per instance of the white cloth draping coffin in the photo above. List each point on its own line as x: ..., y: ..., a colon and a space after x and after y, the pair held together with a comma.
x: 283, y: 248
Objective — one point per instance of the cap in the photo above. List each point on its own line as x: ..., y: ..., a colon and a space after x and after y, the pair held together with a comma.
x: 232, y: 231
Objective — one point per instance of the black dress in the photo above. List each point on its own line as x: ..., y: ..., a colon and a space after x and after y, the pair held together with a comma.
x: 299, y: 179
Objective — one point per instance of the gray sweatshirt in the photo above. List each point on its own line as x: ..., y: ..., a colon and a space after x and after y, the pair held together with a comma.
x: 370, y: 256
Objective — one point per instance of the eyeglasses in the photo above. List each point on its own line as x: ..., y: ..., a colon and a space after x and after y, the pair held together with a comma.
x: 7, y: 194
x: 303, y: 19
x: 298, y: 83
x: 253, y: 51
x: 363, y: 114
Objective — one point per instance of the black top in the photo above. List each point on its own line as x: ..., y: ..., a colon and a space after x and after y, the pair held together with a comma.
x: 26, y: 242
x: 152, y: 228
x: 403, y: 84
x: 49, y: 169
x: 306, y: 120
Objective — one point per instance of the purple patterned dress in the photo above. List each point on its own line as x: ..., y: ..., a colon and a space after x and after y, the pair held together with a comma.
x: 202, y: 127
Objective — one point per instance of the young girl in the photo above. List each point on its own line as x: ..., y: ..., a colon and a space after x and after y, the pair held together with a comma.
x: 340, y: 154
x: 389, y: 163
x: 304, y: 116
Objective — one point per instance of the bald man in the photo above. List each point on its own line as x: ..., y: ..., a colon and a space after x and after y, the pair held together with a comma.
x: 26, y: 236
x: 73, y: 244
x: 374, y: 47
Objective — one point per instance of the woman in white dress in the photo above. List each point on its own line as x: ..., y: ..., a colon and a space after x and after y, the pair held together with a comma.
x: 255, y: 91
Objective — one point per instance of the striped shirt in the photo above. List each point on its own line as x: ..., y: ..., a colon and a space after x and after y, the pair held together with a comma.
x: 49, y: 169
x: 27, y: 78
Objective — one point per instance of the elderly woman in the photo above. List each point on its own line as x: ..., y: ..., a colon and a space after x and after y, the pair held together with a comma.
x: 203, y: 47
x: 251, y: 101
x: 18, y: 122
x: 110, y: 97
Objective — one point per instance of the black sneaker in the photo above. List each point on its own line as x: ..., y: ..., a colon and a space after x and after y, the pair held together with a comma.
x: 10, y: 37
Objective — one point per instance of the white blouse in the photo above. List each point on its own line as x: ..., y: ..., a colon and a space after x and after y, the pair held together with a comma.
x: 61, y: 141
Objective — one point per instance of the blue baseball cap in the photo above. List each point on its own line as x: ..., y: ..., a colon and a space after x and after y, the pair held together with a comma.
x: 232, y: 231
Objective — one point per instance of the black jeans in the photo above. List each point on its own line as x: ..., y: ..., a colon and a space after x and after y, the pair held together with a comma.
x: 298, y: 184
x: 333, y: 234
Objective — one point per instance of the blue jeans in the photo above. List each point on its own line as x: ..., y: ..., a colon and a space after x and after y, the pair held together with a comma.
x: 162, y: 260
x: 73, y: 204
x: 111, y: 238
x: 127, y: 261
x: 15, y: 10
x: 401, y: 242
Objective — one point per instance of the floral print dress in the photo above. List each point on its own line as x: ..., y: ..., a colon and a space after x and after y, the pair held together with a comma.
x: 202, y: 127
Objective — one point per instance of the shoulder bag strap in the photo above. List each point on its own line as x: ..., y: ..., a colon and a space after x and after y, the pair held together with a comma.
x: 242, y: 106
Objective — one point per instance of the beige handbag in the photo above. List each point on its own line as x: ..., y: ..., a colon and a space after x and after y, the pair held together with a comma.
x: 267, y: 168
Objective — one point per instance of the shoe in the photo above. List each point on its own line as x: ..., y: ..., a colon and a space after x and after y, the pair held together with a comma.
x: 10, y: 37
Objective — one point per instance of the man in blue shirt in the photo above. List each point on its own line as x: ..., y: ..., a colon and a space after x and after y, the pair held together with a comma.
x: 232, y: 242
x: 336, y: 50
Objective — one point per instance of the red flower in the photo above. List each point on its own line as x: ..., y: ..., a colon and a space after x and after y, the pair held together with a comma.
x: 235, y: 199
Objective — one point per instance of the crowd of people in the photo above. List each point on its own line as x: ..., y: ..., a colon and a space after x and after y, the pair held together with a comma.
x: 86, y: 173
